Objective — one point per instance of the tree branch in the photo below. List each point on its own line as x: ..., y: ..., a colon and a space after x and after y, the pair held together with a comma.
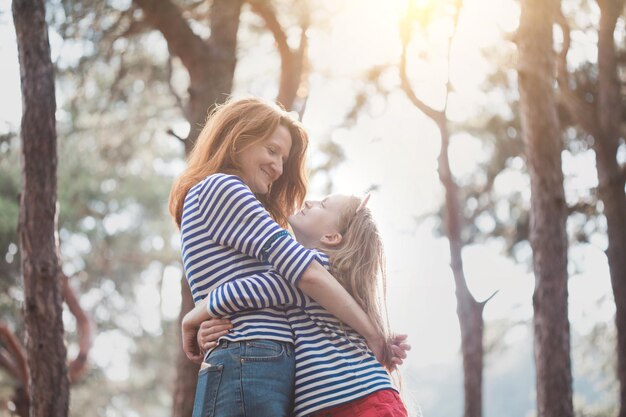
x: 485, y: 301
x: 167, y: 18
x: 78, y: 365
x: 584, y: 207
x: 133, y: 27
x: 8, y: 364
x: 435, y: 115
x: 293, y: 62
x: 169, y: 72
x: 455, y: 25
x: 581, y: 111
x: 301, y: 64
x: 171, y: 132
x: 16, y: 350
x: 136, y: 27
x: 264, y: 9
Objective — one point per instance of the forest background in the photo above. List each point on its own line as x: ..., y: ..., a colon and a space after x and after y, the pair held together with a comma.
x: 363, y: 76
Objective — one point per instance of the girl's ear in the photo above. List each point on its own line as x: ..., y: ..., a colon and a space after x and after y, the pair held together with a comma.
x: 331, y: 239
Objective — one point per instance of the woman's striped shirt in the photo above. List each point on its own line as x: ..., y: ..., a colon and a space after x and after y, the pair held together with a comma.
x: 333, y: 364
x: 226, y: 234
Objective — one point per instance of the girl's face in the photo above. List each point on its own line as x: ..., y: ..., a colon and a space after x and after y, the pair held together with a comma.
x: 262, y: 162
x: 318, y: 222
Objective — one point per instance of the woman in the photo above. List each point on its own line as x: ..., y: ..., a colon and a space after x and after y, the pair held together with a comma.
x: 244, y: 176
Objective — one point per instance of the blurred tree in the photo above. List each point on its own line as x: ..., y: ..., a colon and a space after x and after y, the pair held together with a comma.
x: 548, y: 235
x: 595, y: 103
x: 48, y: 385
x: 469, y: 311
x: 500, y: 213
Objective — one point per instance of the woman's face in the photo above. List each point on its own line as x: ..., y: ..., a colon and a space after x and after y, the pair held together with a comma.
x: 262, y: 162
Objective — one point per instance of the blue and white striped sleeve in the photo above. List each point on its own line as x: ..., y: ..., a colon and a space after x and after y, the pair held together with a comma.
x: 234, y: 217
x: 251, y: 293
x: 261, y: 290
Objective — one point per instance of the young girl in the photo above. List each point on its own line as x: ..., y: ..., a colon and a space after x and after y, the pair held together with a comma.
x: 336, y: 374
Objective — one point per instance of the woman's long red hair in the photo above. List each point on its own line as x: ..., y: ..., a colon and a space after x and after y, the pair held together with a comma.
x: 235, y: 125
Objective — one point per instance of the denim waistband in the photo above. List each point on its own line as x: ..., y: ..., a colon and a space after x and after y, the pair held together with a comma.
x: 222, y: 344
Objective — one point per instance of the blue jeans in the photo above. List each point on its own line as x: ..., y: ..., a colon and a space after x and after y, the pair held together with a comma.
x: 248, y: 378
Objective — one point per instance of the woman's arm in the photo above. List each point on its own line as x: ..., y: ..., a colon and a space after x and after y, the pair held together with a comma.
x: 262, y: 290
x: 258, y: 291
x: 189, y: 331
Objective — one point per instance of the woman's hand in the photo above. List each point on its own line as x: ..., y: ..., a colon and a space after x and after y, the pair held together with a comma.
x: 210, y: 331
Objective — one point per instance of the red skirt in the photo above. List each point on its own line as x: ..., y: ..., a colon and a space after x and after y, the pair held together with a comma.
x: 384, y: 403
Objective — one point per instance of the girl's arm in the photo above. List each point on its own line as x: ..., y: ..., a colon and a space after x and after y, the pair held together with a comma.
x: 320, y: 285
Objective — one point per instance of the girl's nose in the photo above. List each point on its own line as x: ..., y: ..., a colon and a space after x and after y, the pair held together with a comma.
x: 307, y: 204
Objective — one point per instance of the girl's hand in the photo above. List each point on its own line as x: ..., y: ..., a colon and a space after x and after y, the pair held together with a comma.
x: 397, y: 347
x: 210, y: 331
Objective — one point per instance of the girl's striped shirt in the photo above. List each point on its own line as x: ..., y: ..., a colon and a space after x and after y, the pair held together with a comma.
x: 333, y: 364
x: 226, y: 234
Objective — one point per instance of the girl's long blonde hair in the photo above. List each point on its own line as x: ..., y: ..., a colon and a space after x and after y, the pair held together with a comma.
x: 358, y: 261
x: 232, y: 127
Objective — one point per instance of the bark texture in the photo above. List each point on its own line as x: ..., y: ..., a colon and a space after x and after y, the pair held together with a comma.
x: 548, y: 238
x: 48, y: 382
x: 610, y: 178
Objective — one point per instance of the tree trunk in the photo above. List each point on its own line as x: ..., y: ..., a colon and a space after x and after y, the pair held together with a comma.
x: 610, y: 178
x: 49, y: 385
x: 469, y: 311
x: 548, y: 237
x: 186, y: 371
x: 211, y: 78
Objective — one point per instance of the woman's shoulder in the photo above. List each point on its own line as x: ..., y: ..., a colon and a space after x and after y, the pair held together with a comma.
x: 219, y: 182
x: 322, y: 258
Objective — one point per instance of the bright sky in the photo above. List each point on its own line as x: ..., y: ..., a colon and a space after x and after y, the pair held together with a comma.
x: 396, y: 148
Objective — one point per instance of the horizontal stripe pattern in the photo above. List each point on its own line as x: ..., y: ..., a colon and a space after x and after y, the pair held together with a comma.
x: 224, y: 229
x: 333, y: 363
